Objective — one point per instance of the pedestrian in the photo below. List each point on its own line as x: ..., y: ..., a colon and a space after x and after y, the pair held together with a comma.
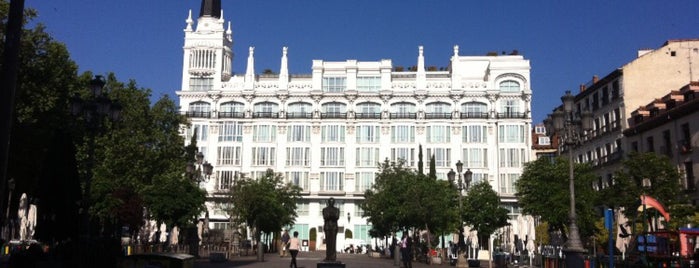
x: 285, y: 242
x: 405, y: 245
x: 294, y: 249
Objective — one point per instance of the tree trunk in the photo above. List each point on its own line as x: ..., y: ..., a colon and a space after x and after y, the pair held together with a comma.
x: 260, y: 248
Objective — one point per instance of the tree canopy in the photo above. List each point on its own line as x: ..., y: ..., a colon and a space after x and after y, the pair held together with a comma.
x: 482, y: 210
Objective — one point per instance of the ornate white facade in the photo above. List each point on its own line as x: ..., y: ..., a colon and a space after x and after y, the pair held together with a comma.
x: 327, y: 130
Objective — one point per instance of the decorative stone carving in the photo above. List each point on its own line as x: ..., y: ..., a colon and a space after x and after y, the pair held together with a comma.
x: 456, y: 130
x: 247, y: 129
x: 350, y: 130
x: 281, y: 130
x: 385, y: 130
x: 316, y: 129
x: 420, y: 130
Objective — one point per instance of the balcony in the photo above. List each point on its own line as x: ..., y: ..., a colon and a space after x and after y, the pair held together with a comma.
x: 684, y: 146
x: 466, y: 115
x: 334, y: 115
x: 265, y: 115
x: 299, y: 115
x: 511, y: 115
x: 367, y: 115
x: 231, y: 115
x: 198, y: 114
x: 403, y: 116
x: 437, y: 115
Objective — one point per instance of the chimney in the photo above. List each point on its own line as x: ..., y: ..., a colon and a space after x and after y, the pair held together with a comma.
x: 595, y: 79
x: 582, y: 87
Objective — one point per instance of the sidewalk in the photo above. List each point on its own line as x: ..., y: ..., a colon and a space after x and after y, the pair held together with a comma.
x: 310, y: 259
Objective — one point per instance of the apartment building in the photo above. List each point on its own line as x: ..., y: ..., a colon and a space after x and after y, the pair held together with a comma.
x: 670, y: 126
x: 326, y: 130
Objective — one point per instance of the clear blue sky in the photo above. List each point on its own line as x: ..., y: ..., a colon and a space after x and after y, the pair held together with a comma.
x: 566, y: 41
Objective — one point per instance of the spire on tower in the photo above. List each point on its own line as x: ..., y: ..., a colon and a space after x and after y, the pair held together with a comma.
x: 284, y: 69
x: 210, y: 8
x: 421, y: 75
x: 250, y: 71
x: 229, y: 32
x: 189, y: 22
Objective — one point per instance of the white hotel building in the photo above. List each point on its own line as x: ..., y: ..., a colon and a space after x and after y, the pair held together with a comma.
x: 325, y: 131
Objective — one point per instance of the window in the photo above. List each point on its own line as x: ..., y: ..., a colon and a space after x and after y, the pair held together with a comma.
x: 615, y: 90
x: 474, y: 110
x: 511, y: 133
x: 368, y: 83
x: 402, y: 134
x: 405, y: 154
x: 232, y: 110
x: 300, y: 110
x: 334, y: 84
x: 361, y: 232
x: 667, y: 143
x: 263, y: 156
x: 231, y: 131
x: 689, y: 175
x: 298, y: 178
x: 438, y: 107
x: 650, y: 144
x: 368, y: 108
x: 298, y: 156
x: 509, y: 86
x: 228, y: 155
x: 202, y: 132
x: 225, y: 179
x: 201, y: 83
x: 367, y: 157
x: 442, y: 156
x: 544, y: 141
x: 298, y: 133
x: 507, y: 183
x: 403, y: 108
x: 512, y: 157
x: 364, y: 181
x: 332, y: 156
x: 475, y: 157
x: 634, y: 146
x: 265, y: 110
x: 334, y: 107
x: 265, y: 133
x: 509, y: 107
x: 302, y: 210
x: 540, y: 129
x: 333, y: 133
x: 199, y: 107
x: 438, y: 134
x: 474, y: 134
x: 332, y: 181
x: 367, y: 134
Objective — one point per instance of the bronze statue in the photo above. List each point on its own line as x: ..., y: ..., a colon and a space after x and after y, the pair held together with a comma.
x: 330, y: 214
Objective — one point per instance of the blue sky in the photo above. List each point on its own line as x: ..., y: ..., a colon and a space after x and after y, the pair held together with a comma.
x: 567, y: 42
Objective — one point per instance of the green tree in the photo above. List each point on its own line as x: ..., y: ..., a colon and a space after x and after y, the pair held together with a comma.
x: 482, y: 210
x: 627, y: 187
x: 265, y: 204
x: 543, y: 190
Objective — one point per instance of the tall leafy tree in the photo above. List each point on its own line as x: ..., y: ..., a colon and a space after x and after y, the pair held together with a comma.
x: 626, y: 189
x: 265, y: 204
x: 420, y: 164
x: 482, y: 210
x: 543, y: 190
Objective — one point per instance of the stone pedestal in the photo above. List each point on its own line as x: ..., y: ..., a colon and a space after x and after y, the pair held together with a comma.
x: 574, y: 258
x: 461, y: 261
x: 336, y: 264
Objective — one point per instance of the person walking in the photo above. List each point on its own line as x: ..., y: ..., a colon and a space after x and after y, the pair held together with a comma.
x: 405, y: 245
x: 294, y: 249
x: 285, y: 242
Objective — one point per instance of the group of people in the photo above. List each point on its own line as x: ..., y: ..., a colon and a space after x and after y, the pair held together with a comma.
x: 292, y: 245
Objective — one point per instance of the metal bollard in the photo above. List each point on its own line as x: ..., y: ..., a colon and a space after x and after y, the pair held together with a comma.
x: 396, y: 256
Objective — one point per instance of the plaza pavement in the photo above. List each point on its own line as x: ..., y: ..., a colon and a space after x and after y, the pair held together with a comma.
x: 309, y: 260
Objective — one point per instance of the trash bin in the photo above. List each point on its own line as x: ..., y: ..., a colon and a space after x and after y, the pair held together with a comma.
x: 499, y: 260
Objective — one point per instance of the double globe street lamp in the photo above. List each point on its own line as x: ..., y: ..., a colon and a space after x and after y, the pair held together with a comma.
x: 198, y: 171
x: 462, y: 184
x: 571, y: 128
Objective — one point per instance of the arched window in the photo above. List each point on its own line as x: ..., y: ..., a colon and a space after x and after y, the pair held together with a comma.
x: 300, y: 110
x: 232, y: 109
x: 438, y: 110
x: 266, y: 110
x: 334, y: 110
x: 199, y: 109
x: 368, y: 110
x: 509, y: 86
x: 474, y: 110
x: 403, y: 110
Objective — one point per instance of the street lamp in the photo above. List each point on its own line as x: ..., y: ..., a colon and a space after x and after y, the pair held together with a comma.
x: 198, y: 171
x: 94, y: 110
x: 8, y: 224
x: 571, y: 130
x: 460, y: 186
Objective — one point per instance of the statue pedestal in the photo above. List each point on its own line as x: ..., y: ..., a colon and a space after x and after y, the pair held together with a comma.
x: 336, y: 264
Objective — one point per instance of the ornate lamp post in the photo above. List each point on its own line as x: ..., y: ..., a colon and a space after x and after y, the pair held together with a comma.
x: 571, y: 130
x: 460, y: 186
x: 94, y: 110
x: 7, y: 232
x: 198, y: 171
